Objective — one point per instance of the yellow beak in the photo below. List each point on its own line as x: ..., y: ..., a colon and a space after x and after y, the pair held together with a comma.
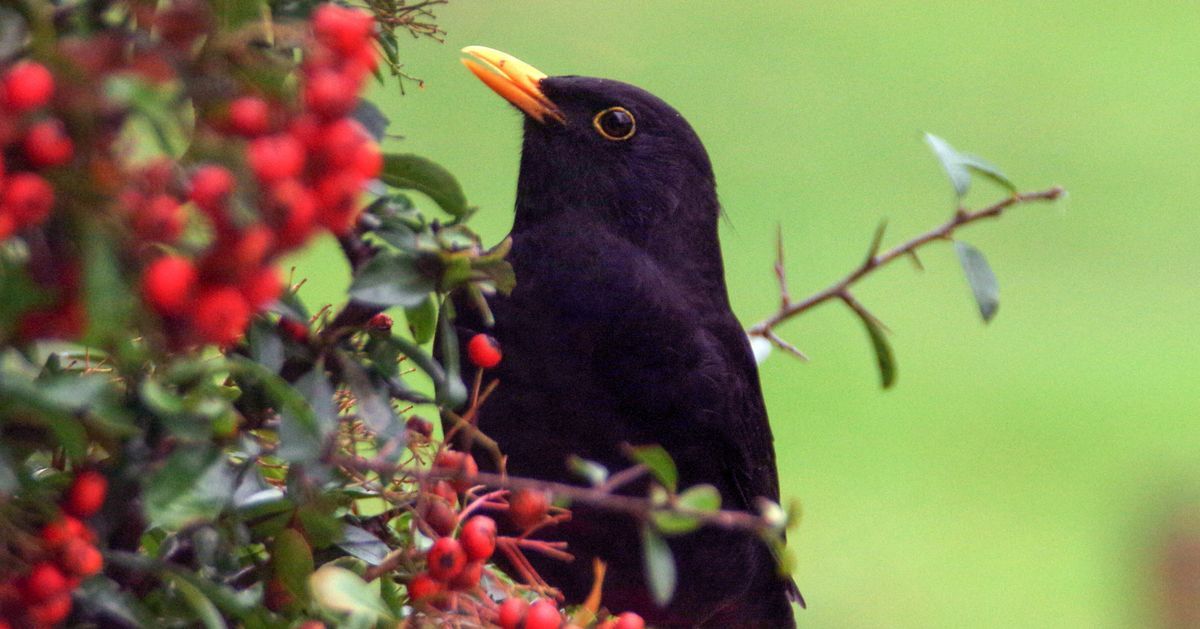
x: 518, y: 82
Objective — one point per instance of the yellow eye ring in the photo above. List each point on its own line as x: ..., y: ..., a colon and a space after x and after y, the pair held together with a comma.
x: 615, y: 123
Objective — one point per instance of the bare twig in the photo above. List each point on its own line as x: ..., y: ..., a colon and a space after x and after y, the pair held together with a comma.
x: 840, y: 290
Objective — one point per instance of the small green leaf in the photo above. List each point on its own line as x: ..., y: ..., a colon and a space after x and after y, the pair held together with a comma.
x: 659, y: 565
x: 659, y: 462
x: 410, y: 172
x: 704, y: 498
x: 981, y: 278
x: 450, y: 389
x: 371, y: 118
x: 194, y: 484
x: 959, y: 166
x: 591, y: 471
x: 361, y: 543
x: 883, y: 352
x: 422, y: 320
x: 392, y: 280
x: 340, y: 590
x: 292, y: 561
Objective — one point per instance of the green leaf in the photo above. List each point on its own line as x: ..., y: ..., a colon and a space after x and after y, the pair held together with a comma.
x: 959, y: 166
x: 373, y: 407
x: 591, y: 471
x: 704, y: 498
x: 883, y: 352
x: 392, y: 280
x: 292, y: 561
x: 304, y: 427
x: 362, y: 544
x: 410, y: 172
x: 981, y: 278
x: 8, y: 473
x: 340, y: 590
x: 450, y: 389
x: 371, y: 118
x: 207, y: 612
x: 659, y: 565
x: 422, y: 320
x: 660, y: 464
x: 107, y: 297
x: 194, y: 484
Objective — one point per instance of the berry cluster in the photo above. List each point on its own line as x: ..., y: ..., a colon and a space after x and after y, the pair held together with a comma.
x: 455, y: 564
x: 309, y: 168
x: 65, y: 555
x: 34, y: 141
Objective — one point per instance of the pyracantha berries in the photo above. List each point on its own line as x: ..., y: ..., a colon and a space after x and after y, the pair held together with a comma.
x: 484, y: 351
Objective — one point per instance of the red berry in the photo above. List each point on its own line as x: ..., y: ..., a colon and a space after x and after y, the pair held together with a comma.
x: 330, y: 94
x: 211, y: 187
x: 420, y: 425
x: 249, y: 116
x: 160, y: 219
x: 340, y: 141
x: 542, y: 614
x: 484, y: 351
x: 293, y: 209
x: 50, y: 613
x: 446, y: 559
x: 169, y: 284
x: 478, y: 537
x: 294, y: 329
x: 275, y: 157
x: 80, y: 558
x: 368, y: 161
x: 422, y: 586
x: 86, y: 494
x: 341, y: 29
x: 469, y: 577
x: 439, y: 515
x: 527, y: 507
x: 337, y: 201
x: 65, y: 529
x: 629, y: 620
x: 446, y: 491
x: 44, y: 582
x: 47, y: 144
x: 27, y: 86
x: 27, y: 198
x: 461, y: 463
x: 221, y: 315
x: 263, y: 287
x: 512, y: 611
x: 380, y: 322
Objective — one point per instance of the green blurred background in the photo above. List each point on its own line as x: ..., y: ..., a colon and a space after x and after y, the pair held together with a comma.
x: 1025, y: 473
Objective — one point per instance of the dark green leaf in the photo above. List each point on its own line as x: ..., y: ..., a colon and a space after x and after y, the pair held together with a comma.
x: 206, y: 611
x: 371, y: 118
x: 660, y: 464
x: 391, y: 280
x: 450, y: 389
x: 265, y: 345
x: 410, y: 172
x: 883, y: 352
x: 373, y: 407
x: 194, y: 484
x: 107, y: 297
x: 980, y: 277
x: 8, y: 473
x: 305, y: 426
x: 320, y: 527
x: 362, y: 544
x: 292, y: 561
x: 422, y: 320
x: 959, y: 166
x: 660, y: 566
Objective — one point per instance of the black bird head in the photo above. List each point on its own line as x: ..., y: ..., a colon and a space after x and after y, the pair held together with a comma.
x: 608, y: 154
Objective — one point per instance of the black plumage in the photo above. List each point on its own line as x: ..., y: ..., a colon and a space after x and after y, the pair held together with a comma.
x: 619, y: 331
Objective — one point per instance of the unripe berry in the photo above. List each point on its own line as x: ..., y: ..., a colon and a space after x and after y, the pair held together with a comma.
x: 543, y: 614
x: 44, y: 582
x: 249, y: 116
x: 211, y: 187
x: 422, y: 587
x: 478, y: 537
x: 57, y: 533
x: 446, y: 559
x: 275, y: 157
x: 527, y: 507
x: 341, y: 29
x: 221, y: 315
x: 512, y: 611
x: 469, y: 577
x: 27, y: 86
x: 80, y: 558
x: 330, y: 94
x: 484, y: 351
x: 86, y: 494
x: 50, y: 613
x: 169, y: 285
x: 629, y: 620
x: 47, y: 144
x: 27, y: 198
x: 263, y: 287
x: 461, y: 463
x: 419, y: 425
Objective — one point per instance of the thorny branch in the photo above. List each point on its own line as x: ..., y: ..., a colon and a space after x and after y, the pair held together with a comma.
x: 840, y: 290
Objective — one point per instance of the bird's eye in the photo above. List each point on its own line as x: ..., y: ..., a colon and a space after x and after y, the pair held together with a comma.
x: 615, y: 123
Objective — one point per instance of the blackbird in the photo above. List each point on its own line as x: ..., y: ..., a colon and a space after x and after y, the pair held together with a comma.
x: 618, y: 332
